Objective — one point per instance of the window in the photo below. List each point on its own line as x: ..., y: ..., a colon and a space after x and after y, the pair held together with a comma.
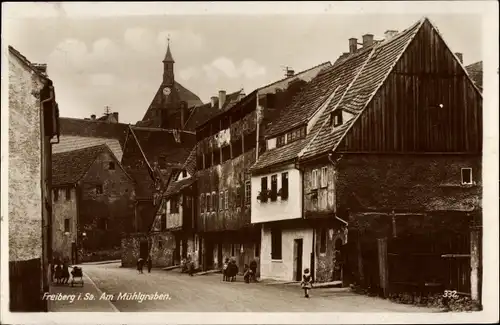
x: 226, y: 199
x: 56, y: 194
x: 284, y: 186
x: 280, y: 141
x: 257, y: 249
x: 207, y: 160
x: 250, y: 141
x: 322, y: 241
x: 214, y: 201
x: 163, y: 222
x: 174, y: 204
x: 336, y: 118
x: 184, y: 173
x: 263, y: 189
x: 314, y: 179
x: 248, y: 192
x: 226, y: 153
x: 274, y: 188
x: 111, y: 165
x: 237, y: 148
x: 202, y: 203
x: 66, y: 225
x: 232, y: 249
x: 466, y: 176
x: 98, y: 189
x: 238, y: 195
x: 68, y: 194
x: 324, y: 177
x: 276, y: 244
x: 302, y: 132
x: 160, y: 243
x: 221, y: 200
x: 216, y: 154
x: 209, y: 202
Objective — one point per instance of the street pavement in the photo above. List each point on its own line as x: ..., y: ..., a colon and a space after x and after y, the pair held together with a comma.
x: 207, y: 293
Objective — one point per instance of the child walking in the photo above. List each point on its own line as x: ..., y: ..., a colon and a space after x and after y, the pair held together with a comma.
x: 306, y: 283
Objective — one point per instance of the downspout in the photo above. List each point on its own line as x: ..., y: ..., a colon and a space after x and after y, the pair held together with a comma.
x: 46, y: 185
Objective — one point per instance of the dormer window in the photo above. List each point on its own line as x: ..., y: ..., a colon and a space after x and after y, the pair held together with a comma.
x: 280, y: 141
x: 336, y: 118
x: 184, y: 173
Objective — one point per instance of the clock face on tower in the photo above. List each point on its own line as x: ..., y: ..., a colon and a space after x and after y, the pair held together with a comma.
x: 166, y: 91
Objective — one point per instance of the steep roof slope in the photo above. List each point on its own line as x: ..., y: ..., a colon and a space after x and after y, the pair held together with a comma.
x: 69, y: 167
x: 327, y: 88
x: 382, y: 59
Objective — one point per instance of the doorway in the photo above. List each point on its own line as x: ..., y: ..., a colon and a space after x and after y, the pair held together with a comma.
x: 74, y: 253
x: 297, y: 259
x: 219, y: 255
x: 209, y: 255
x: 144, y: 249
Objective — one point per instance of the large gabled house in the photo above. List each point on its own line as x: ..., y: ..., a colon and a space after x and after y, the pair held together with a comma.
x: 93, y: 204
x: 394, y: 158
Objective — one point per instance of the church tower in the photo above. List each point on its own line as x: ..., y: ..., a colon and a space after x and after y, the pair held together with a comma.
x: 168, y: 68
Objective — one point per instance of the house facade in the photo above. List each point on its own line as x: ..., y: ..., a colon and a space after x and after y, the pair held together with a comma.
x: 93, y: 199
x: 227, y: 145
x: 33, y: 123
x: 402, y: 153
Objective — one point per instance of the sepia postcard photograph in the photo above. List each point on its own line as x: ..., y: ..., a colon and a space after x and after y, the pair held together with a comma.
x: 249, y: 162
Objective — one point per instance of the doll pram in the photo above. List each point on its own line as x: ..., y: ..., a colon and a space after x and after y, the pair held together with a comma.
x: 77, y: 276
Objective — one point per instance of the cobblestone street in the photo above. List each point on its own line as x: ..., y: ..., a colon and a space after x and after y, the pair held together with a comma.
x: 208, y: 294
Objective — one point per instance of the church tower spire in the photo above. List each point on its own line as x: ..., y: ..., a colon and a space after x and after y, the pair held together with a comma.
x: 168, y: 66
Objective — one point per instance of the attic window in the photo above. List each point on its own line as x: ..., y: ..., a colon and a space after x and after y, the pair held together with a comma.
x: 336, y: 118
x: 184, y: 173
x: 111, y: 165
x: 98, y: 189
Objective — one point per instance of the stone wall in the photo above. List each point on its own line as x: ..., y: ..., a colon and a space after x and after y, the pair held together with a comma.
x: 105, y: 217
x: 162, y: 249
x: 64, y: 208
x: 130, y: 247
x: 25, y: 188
x: 325, y: 259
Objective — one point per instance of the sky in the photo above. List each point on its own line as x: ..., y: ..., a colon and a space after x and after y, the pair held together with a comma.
x: 112, y: 55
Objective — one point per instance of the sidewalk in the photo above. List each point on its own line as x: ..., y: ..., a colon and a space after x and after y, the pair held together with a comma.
x: 79, y: 299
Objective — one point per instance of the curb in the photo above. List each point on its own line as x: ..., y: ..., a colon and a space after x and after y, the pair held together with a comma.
x: 100, y: 293
x: 101, y: 262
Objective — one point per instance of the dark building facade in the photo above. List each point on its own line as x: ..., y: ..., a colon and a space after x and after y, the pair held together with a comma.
x: 93, y: 199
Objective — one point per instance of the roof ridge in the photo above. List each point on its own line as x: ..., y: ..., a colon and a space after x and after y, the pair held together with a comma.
x: 295, y: 75
x: 27, y: 62
x: 92, y: 121
x: 82, y: 149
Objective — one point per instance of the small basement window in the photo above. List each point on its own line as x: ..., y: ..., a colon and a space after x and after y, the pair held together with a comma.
x: 466, y: 176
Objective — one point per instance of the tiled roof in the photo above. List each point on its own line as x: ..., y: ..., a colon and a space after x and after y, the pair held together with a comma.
x: 475, y: 71
x: 176, y: 187
x: 190, y: 164
x: 307, y: 102
x: 231, y: 100
x: 157, y: 143
x: 199, y: 115
x: 279, y: 155
x: 70, y: 143
x: 69, y: 167
x: 357, y: 94
x: 93, y: 129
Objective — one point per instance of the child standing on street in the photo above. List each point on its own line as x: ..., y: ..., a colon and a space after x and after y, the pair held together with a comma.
x: 306, y: 283
x: 150, y: 264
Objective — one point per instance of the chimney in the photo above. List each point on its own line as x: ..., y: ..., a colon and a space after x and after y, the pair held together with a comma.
x: 290, y: 72
x: 460, y: 57
x: 222, y: 98
x: 389, y: 34
x: 213, y: 100
x: 115, y: 115
x: 367, y: 40
x: 92, y: 117
x: 353, y: 45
